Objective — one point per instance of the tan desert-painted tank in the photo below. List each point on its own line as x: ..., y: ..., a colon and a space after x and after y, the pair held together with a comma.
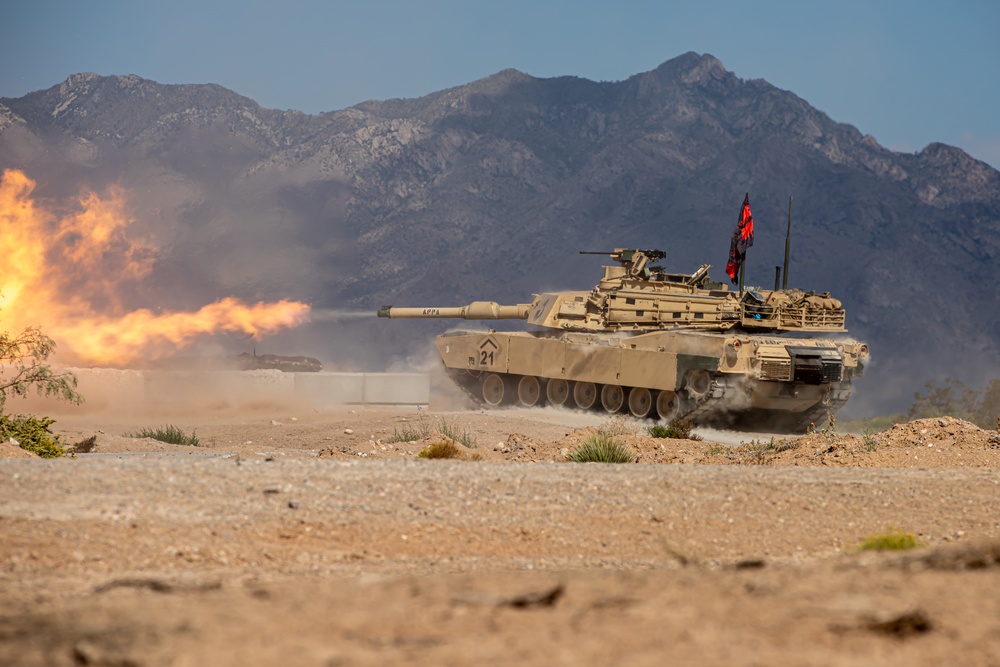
x: 660, y: 344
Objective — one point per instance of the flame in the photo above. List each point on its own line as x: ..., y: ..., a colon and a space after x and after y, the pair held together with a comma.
x: 65, y: 273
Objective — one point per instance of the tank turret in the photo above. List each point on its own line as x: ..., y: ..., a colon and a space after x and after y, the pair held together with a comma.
x: 637, y: 296
x: 652, y: 342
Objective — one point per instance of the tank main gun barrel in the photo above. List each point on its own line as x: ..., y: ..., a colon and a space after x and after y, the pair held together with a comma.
x: 477, y: 310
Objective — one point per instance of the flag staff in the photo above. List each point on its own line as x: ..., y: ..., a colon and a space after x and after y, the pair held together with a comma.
x: 788, y: 242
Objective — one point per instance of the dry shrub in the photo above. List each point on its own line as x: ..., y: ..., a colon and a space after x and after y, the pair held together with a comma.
x: 617, y: 426
x: 755, y: 452
x: 679, y: 429
x: 445, y: 449
x: 169, y: 434
x: 891, y: 540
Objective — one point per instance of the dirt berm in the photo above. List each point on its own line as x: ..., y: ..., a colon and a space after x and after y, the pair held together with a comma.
x: 321, y: 538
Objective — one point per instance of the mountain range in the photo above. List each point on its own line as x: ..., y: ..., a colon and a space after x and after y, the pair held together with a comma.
x: 489, y: 190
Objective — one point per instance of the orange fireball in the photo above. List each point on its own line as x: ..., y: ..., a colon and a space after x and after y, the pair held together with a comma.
x: 64, y: 274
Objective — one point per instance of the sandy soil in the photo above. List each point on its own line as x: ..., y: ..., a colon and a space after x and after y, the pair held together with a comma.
x: 321, y: 538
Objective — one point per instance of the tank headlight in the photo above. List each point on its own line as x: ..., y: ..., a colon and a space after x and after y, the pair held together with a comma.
x: 732, y: 352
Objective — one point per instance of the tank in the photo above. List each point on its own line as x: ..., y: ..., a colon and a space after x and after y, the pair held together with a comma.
x: 238, y: 362
x: 660, y: 345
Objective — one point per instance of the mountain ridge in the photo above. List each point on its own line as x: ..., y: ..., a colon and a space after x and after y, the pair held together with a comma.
x: 487, y: 190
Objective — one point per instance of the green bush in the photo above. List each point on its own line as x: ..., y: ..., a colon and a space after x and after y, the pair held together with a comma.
x: 169, y: 434
x: 601, y: 448
x: 679, y: 429
x: 32, y: 434
x: 23, y: 367
x: 893, y: 540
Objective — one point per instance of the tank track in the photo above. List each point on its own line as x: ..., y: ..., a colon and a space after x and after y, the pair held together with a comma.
x: 712, y: 409
x: 819, y: 415
x: 715, y: 408
x: 469, y: 383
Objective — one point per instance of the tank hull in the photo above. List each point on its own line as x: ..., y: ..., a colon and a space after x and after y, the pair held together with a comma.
x: 711, y: 379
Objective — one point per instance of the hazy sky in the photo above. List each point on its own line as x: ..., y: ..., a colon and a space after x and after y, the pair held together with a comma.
x: 909, y: 73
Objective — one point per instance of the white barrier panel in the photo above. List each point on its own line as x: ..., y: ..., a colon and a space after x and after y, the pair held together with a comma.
x: 217, y: 387
x: 397, y: 389
x: 329, y: 389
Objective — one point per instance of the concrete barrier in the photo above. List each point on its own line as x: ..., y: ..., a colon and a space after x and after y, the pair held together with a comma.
x: 330, y: 389
x: 396, y: 388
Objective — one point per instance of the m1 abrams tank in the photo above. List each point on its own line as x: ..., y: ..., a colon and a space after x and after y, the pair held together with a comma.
x: 660, y: 345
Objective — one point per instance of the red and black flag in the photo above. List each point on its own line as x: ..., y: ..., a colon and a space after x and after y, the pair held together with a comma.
x: 742, y: 239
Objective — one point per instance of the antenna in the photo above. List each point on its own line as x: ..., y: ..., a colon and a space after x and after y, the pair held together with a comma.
x: 788, y: 244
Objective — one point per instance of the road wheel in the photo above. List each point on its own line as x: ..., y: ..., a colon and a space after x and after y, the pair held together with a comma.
x: 557, y: 392
x: 667, y: 406
x: 494, y: 390
x: 612, y: 397
x: 529, y: 390
x: 585, y: 395
x: 698, y: 382
x: 640, y: 401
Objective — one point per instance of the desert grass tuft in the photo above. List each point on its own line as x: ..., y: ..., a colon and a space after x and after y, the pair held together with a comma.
x: 869, y: 439
x: 169, y: 434
x: 755, y: 452
x: 409, y: 434
x: 458, y: 435
x: 422, y: 430
x: 600, y: 448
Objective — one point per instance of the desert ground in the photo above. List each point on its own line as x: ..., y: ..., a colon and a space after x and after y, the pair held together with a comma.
x: 320, y: 537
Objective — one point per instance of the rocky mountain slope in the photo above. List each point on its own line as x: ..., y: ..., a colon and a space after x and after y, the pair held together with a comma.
x: 488, y: 190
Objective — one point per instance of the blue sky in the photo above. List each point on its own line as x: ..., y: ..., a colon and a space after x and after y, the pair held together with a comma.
x: 908, y: 73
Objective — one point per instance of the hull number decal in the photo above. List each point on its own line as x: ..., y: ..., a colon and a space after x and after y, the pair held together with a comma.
x: 487, y: 352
